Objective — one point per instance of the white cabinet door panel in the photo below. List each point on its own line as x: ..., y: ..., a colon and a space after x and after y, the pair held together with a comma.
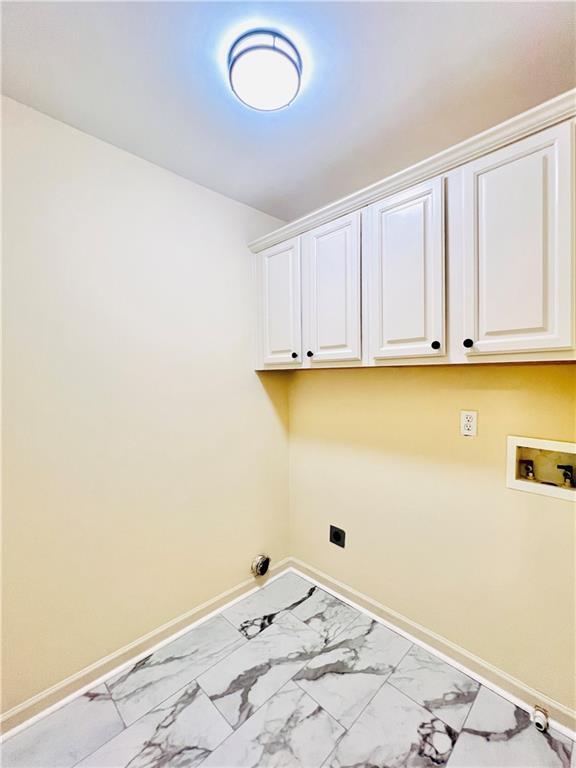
x: 279, y: 289
x: 331, y: 291
x: 518, y: 273
x: 404, y: 261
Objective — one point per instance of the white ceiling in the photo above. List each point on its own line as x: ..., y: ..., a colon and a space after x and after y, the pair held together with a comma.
x: 389, y: 84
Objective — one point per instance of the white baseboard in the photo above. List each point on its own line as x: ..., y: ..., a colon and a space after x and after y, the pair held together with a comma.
x: 22, y: 715
x: 563, y: 719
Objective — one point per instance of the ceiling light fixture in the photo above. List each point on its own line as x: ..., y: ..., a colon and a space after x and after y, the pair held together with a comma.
x: 264, y: 70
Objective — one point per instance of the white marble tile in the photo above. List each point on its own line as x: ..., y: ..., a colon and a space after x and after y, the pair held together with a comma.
x: 259, y: 610
x: 394, y: 731
x: 140, y: 688
x: 348, y: 672
x: 65, y: 736
x: 402, y: 705
x: 243, y: 681
x: 326, y: 614
x: 181, y: 732
x: 289, y: 730
x: 498, y: 734
x: 438, y: 686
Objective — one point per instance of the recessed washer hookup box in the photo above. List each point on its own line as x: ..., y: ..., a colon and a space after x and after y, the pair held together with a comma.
x: 547, y: 467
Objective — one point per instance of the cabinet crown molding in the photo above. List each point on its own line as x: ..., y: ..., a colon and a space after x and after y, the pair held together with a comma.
x: 544, y: 115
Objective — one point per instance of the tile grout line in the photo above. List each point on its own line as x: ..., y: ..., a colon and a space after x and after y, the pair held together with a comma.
x: 113, y: 700
x: 124, y: 728
x: 281, y: 570
x: 276, y: 691
x: 434, y: 714
x: 291, y: 679
x: 244, y: 643
x: 289, y: 609
x: 389, y: 681
x: 464, y: 724
x: 322, y: 707
x: 261, y: 706
x: 258, y: 708
x: 380, y: 688
x: 162, y: 701
x: 385, y: 680
x: 194, y: 679
x: 346, y: 728
x: 278, y: 571
x: 296, y: 567
x: 150, y: 711
x: 347, y: 625
x: 301, y: 625
x: 226, y: 619
x: 216, y: 710
x: 572, y: 743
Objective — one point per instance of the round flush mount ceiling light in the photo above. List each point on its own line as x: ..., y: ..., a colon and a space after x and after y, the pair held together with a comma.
x: 264, y: 70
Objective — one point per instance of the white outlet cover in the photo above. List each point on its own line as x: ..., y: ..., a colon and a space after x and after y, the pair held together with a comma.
x: 469, y: 423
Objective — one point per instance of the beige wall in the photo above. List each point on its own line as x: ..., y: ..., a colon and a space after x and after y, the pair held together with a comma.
x: 432, y: 530
x: 144, y: 462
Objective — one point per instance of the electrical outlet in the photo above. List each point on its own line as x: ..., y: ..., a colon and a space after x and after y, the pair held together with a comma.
x: 469, y: 423
x: 337, y: 536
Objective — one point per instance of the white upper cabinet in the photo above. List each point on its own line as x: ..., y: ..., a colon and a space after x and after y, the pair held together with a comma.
x: 331, y: 292
x: 466, y: 257
x: 403, y: 263
x: 517, y: 259
x: 278, y: 273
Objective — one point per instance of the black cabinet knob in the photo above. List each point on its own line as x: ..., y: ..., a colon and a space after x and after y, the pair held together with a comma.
x: 468, y: 343
x: 435, y: 345
x: 294, y: 355
x: 310, y: 353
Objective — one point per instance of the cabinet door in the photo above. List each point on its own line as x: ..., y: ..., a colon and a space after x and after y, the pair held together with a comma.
x: 403, y: 255
x: 331, y: 291
x: 279, y: 305
x: 518, y: 271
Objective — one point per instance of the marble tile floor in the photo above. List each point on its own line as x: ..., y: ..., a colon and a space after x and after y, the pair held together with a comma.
x: 288, y: 676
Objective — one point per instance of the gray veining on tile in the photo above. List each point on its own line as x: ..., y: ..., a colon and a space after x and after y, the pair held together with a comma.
x: 438, y: 686
x: 348, y: 672
x: 278, y: 687
x: 66, y: 735
x: 291, y: 729
x: 259, y: 610
x: 394, y: 731
x: 249, y: 676
x: 498, y: 734
x: 181, y: 732
x: 140, y: 688
x: 326, y: 614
